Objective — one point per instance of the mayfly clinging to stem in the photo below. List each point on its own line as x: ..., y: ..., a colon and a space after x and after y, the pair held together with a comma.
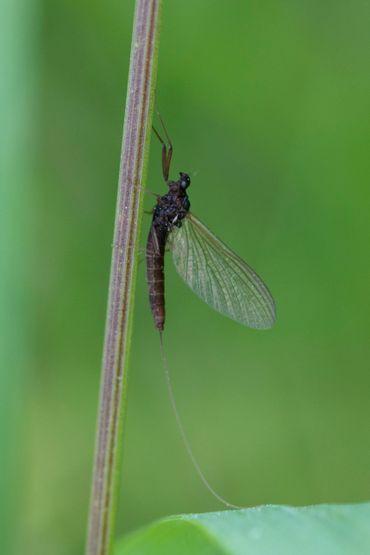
x: 213, y: 271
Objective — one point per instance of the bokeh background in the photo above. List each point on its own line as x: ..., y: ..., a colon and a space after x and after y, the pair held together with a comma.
x: 268, y: 107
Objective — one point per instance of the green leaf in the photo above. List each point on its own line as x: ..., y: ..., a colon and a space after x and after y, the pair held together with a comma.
x: 267, y: 530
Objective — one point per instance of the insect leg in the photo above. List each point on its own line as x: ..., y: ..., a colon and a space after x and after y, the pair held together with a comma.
x: 147, y: 191
x: 156, y: 195
x: 141, y: 256
x: 166, y: 154
x: 155, y: 241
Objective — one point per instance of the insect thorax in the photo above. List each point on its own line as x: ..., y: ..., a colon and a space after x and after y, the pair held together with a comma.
x: 170, y: 210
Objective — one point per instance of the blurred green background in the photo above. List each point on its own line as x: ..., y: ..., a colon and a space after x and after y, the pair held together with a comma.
x: 268, y: 108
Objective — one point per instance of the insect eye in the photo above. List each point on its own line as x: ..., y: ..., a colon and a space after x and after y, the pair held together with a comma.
x: 185, y: 180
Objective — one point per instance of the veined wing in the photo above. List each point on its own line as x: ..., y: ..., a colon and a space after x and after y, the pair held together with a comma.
x: 219, y: 277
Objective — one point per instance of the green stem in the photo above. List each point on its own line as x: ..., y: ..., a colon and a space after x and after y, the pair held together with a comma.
x: 134, y: 155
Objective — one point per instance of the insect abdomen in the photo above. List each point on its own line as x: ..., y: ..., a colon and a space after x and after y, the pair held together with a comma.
x: 155, y: 248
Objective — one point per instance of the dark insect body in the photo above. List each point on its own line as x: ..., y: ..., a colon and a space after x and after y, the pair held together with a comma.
x: 169, y: 212
x: 210, y: 268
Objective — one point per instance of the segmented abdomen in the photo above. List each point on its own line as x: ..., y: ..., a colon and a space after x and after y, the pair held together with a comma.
x: 155, y: 248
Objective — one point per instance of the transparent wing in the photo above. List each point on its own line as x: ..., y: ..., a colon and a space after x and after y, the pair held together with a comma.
x: 219, y: 277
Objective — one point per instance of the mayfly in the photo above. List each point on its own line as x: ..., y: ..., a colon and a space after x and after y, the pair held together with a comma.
x: 210, y: 268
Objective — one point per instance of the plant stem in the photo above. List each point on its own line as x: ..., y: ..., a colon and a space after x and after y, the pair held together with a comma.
x: 134, y: 155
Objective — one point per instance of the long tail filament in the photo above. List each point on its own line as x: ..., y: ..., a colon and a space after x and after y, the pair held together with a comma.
x: 183, y: 434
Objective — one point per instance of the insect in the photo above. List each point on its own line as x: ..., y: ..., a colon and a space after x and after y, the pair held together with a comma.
x: 210, y: 268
